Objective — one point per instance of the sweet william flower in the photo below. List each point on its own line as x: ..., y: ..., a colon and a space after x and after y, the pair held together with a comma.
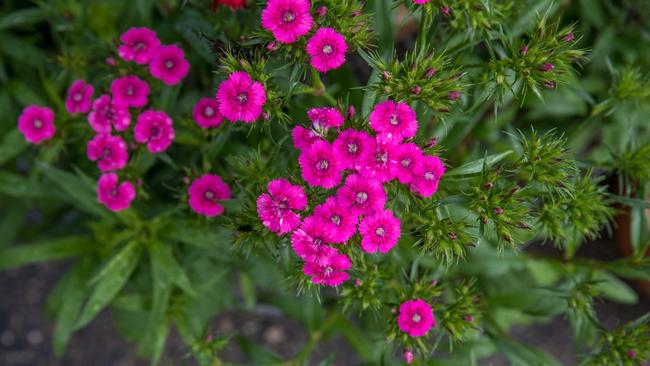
x: 130, y: 91
x: 379, y: 164
x: 379, y: 232
x: 36, y: 124
x: 303, y: 138
x: 415, y: 318
x: 233, y: 4
x: 169, y: 65
x: 110, y: 152
x: 407, y: 157
x: 206, y: 113
x: 241, y: 98
x: 138, y: 44
x: 154, y: 129
x: 426, y: 175
x: 421, y: 2
x: 320, y: 165
x: 361, y: 196
x: 340, y: 224
x: 327, y: 49
x: 276, y: 208
x: 79, y: 97
x: 116, y: 197
x: 330, y: 271
x: 287, y: 20
x: 353, y: 147
x: 325, y: 118
x: 105, y: 115
x: 309, y: 241
x: 394, y: 120
x: 206, y: 192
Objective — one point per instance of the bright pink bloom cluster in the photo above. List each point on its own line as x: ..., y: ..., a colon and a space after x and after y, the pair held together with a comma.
x: 36, y: 124
x: 138, y: 45
x: 276, y: 209
x: 205, y: 194
x: 240, y: 98
x: 106, y: 115
x: 79, y: 97
x: 109, y: 152
x: 114, y: 196
x: 416, y: 318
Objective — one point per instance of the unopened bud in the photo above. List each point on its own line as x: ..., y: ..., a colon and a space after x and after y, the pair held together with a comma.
x: 445, y: 10
x: 469, y: 318
x: 549, y: 84
x: 266, y: 116
x: 356, y: 13
x: 408, y: 356
x: 272, y: 46
x: 358, y: 282
x: 430, y: 72
x: 385, y: 75
x: 351, y: 112
x: 453, y: 95
x: 431, y: 143
x: 523, y: 50
x: 547, y: 66
x: 453, y: 235
x: 416, y: 89
x: 498, y: 210
x: 393, y: 310
x: 631, y: 353
x: 110, y: 61
x: 186, y: 180
x: 321, y: 11
x: 488, y: 185
x: 244, y: 63
x: 569, y: 37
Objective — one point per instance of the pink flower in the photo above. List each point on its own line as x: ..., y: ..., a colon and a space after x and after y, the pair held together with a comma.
x: 320, y: 166
x: 36, y: 124
x: 116, y: 197
x: 105, y: 115
x: 421, y: 2
x: 379, y: 232
x: 206, y: 113
x: 330, y: 272
x: 139, y: 45
x: 325, y: 118
x: 169, y: 65
x: 453, y: 95
x: 109, y: 151
x: 310, y: 241
x: 205, y: 194
x: 130, y: 91
x: 547, y: 66
x: 415, y: 318
x: 426, y: 175
x: 407, y: 156
x: 327, y: 49
x: 275, y: 209
x: 361, y: 196
x: 353, y: 147
x: 154, y: 129
x: 303, y: 137
x: 340, y: 224
x: 379, y: 164
x: 241, y: 98
x: 288, y: 20
x: 79, y: 97
x: 394, y: 120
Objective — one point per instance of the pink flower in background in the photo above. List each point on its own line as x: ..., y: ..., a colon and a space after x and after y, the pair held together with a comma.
x: 310, y: 241
x: 288, y: 20
x: 421, y: 2
x: 379, y: 164
x: 407, y: 157
x: 139, y: 45
x: 275, y: 209
x: 327, y: 49
x: 154, y: 129
x: 303, y: 137
x: 169, y: 65
x: 329, y: 272
x: 205, y: 194
x: 206, y: 113
x: 241, y: 98
x: 114, y: 196
x: 320, y: 166
x: 415, y: 318
x: 361, y: 196
x: 105, y: 115
x: 340, y: 224
x: 108, y: 151
x: 79, y: 97
x: 36, y: 124
x: 394, y: 120
x: 130, y: 91
x: 353, y: 147
x: 426, y: 175
x: 325, y: 118
x: 379, y: 232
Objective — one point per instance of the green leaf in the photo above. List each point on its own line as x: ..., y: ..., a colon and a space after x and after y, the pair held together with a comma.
x: 22, y: 17
x: 248, y: 289
x: 476, y: 166
x: 523, y: 355
x: 72, y: 295
x: 256, y: 354
x: 187, y: 232
x: 19, y: 255
x: 614, y: 289
x: 13, y: 143
x: 168, y: 268
x: 19, y: 186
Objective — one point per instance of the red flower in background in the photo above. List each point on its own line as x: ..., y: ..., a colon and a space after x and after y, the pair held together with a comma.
x: 234, y: 4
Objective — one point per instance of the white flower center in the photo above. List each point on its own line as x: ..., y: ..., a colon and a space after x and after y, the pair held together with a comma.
x: 322, y: 165
x: 208, y: 111
x: 416, y: 318
x: 130, y: 91
x: 38, y: 123
x: 288, y: 17
x: 362, y: 197
x: 429, y: 176
x: 169, y: 64
x: 380, y: 231
x: 242, y: 98
x: 336, y: 220
x: 77, y: 97
x: 328, y: 271
x: 327, y: 49
x: 139, y: 46
x: 154, y: 132
x: 208, y: 195
x: 352, y: 148
x: 382, y: 158
x: 393, y: 120
x: 406, y: 163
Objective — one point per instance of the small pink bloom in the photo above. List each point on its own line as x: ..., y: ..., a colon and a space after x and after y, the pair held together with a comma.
x: 288, y: 20
x: 116, y: 197
x: 340, y: 224
x: 407, y: 156
x: 415, y: 318
x: 361, y: 196
x: 154, y: 129
x: 275, y: 209
x: 380, y: 163
x: 139, y: 45
x: 79, y: 97
x: 350, y: 113
x: 36, y: 124
x: 105, y: 115
x: 330, y: 272
x: 523, y: 50
x: 169, y: 65
x: 241, y: 98
x: 321, y: 11
x: 453, y: 95
x: 206, y: 113
x: 408, y: 356
x: 205, y: 194
x: 110, y: 61
x: 320, y: 165
x: 394, y: 120
x: 379, y: 232
x: 130, y: 91
x: 272, y: 46
x: 108, y: 151
x: 303, y: 137
x: 353, y: 147
x: 445, y: 10
x: 546, y: 67
x: 421, y: 2
x: 327, y: 49
x: 426, y: 175
x: 569, y: 37
x: 358, y: 282
x: 325, y: 118
x: 310, y: 241
x: 549, y: 84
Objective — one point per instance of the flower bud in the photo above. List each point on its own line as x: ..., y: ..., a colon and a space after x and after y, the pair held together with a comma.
x: 547, y: 66
x: 469, y: 318
x: 393, y: 310
x: 523, y: 50
x: 498, y: 210
x: 431, y: 143
x: 385, y: 75
x: 408, y: 356
x: 488, y: 185
x: 272, y: 46
x: 244, y: 63
x: 453, y: 235
x: 631, y: 353
x: 569, y: 37
x: 453, y: 95
x: 416, y: 89
x: 356, y: 13
x: 430, y: 72
x: 358, y: 282
x: 350, y: 113
x: 321, y: 11
x: 266, y: 116
x: 549, y: 84
x: 186, y: 180
x: 445, y: 10
x: 110, y: 61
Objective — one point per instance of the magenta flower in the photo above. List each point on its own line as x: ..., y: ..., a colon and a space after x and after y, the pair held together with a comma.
x: 320, y: 165
x: 154, y: 129
x: 139, y: 45
x: 108, y: 151
x: 407, y: 157
x: 353, y: 147
x: 130, y: 91
x: 105, y: 115
x: 303, y: 138
x: 379, y: 164
x: 275, y: 209
x: 325, y: 118
x: 36, y: 124
x: 206, y: 192
x: 426, y: 175
x: 116, y: 197
x: 288, y: 20
x: 206, y: 113
x: 327, y: 49
x: 379, y: 232
x: 394, y: 120
x: 310, y: 241
x: 361, y: 196
x: 241, y: 98
x: 340, y: 224
x: 79, y: 97
x: 415, y: 318
x: 330, y: 272
x: 169, y: 65
x: 547, y: 66
x: 421, y: 2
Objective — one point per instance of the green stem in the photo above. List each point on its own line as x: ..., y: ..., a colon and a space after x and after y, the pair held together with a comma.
x: 425, y: 24
x: 319, y: 89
